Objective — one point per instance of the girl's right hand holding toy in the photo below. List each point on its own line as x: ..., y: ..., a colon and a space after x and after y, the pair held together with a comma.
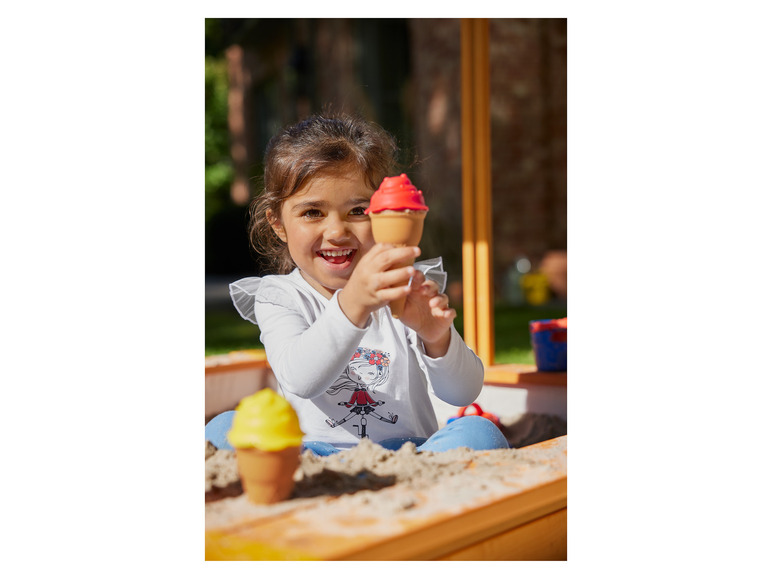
x: 373, y: 283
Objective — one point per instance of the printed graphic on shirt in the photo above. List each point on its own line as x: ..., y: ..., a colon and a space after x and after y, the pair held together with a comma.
x: 366, y: 370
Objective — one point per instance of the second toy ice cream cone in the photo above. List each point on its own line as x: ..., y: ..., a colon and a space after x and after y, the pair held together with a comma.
x: 267, y: 437
x: 397, y: 212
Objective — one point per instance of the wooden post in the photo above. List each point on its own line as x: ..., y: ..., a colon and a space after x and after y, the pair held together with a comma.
x: 476, y: 188
x: 467, y: 186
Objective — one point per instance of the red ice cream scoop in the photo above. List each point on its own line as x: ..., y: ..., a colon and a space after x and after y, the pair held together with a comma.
x: 397, y: 194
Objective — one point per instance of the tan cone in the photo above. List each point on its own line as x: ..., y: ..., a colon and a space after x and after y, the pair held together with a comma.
x: 267, y: 476
x: 402, y: 228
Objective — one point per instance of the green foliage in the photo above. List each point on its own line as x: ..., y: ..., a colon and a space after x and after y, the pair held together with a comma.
x: 218, y: 171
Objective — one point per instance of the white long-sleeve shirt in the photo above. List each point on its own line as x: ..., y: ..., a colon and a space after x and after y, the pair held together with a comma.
x: 347, y: 382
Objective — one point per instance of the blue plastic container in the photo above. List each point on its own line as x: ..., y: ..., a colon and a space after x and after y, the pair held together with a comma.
x: 549, y: 340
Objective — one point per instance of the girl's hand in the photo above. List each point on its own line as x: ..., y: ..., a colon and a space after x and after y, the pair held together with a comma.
x: 428, y: 313
x: 371, y: 285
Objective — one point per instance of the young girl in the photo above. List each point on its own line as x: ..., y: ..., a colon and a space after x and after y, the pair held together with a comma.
x: 348, y: 368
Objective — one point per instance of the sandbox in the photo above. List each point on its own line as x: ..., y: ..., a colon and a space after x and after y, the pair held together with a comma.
x: 372, y: 504
x: 369, y: 503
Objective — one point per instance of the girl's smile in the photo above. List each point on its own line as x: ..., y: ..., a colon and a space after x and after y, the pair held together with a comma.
x: 337, y: 256
x: 325, y: 228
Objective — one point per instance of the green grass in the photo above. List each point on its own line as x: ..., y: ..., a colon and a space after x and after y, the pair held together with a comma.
x: 512, y: 340
x: 226, y: 331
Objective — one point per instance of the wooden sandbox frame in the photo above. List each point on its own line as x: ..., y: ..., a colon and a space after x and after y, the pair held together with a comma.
x: 530, y: 523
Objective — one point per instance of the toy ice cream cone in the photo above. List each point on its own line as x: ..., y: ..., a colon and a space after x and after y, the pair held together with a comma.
x: 397, y: 212
x: 267, y: 437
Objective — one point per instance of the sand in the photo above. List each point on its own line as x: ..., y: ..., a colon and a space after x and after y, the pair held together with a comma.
x: 369, y: 474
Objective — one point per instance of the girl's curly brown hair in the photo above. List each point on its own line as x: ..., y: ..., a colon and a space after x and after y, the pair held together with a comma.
x: 319, y: 144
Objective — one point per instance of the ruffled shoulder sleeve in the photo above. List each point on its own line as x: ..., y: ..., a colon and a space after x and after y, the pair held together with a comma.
x: 280, y: 290
x: 250, y: 290
x: 433, y: 270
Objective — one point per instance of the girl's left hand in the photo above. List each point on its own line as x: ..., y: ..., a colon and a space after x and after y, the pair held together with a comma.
x: 428, y: 313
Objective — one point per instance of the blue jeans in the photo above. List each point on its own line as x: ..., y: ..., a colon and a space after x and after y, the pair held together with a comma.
x: 471, y: 431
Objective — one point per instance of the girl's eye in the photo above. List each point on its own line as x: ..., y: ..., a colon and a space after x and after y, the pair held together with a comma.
x: 312, y: 213
x: 358, y: 211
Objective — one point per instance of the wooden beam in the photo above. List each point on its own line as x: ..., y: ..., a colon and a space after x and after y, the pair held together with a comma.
x: 483, y: 224
x: 467, y: 186
x: 476, y: 188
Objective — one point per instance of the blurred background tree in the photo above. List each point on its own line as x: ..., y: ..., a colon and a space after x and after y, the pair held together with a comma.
x: 218, y: 172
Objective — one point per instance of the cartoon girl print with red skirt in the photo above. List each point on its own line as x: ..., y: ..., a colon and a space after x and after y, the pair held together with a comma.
x: 366, y: 370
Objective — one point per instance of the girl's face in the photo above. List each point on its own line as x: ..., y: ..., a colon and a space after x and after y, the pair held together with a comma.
x: 325, y: 228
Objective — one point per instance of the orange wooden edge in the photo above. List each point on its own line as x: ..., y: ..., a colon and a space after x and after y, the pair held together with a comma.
x: 236, y: 360
x: 522, y: 374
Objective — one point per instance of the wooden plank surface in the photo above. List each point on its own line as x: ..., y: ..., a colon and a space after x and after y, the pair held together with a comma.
x: 478, y: 525
x: 515, y: 374
x: 543, y: 539
x: 236, y: 360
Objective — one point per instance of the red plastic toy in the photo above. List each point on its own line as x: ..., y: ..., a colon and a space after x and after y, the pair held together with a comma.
x: 477, y: 411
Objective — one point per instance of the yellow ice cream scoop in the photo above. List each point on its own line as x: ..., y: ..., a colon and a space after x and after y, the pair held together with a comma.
x: 265, y: 421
